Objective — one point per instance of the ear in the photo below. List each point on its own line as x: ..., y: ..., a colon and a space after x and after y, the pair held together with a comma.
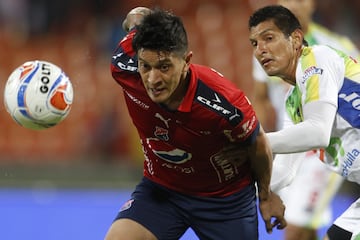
x: 188, y: 60
x: 297, y: 38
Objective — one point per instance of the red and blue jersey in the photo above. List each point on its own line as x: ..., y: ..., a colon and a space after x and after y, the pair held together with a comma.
x: 181, y: 147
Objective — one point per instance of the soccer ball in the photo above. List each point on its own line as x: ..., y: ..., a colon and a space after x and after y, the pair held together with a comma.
x: 38, y: 95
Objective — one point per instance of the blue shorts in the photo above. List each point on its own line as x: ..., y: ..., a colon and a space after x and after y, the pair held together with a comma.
x: 168, y: 214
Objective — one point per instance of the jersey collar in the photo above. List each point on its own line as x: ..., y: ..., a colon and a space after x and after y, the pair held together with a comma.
x: 186, y: 104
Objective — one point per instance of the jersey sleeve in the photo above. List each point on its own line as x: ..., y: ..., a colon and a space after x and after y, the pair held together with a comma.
x: 312, y: 104
x: 124, y: 60
x: 246, y: 130
x: 321, y: 75
x: 258, y: 72
x: 222, y: 97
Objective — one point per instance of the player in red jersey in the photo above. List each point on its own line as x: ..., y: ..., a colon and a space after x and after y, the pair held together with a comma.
x: 187, y: 116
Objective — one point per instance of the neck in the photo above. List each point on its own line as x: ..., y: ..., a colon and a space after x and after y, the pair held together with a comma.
x: 290, y: 77
x: 180, y: 92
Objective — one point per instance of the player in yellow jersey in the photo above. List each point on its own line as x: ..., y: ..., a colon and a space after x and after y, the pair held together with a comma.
x: 308, y: 197
x: 322, y: 106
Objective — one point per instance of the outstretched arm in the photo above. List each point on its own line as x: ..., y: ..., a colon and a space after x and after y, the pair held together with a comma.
x: 313, y: 133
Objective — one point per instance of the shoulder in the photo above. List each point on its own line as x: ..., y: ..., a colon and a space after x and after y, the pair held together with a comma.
x: 219, y: 95
x: 214, y: 81
x: 318, y: 54
x: 319, y: 60
x: 320, y: 68
x: 324, y: 36
x: 205, y: 72
x: 212, y: 78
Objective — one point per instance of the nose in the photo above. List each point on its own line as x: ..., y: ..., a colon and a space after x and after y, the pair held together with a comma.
x: 153, y: 76
x: 260, y: 49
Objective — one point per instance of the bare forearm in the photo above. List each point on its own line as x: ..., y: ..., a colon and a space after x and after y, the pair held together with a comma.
x: 262, y: 164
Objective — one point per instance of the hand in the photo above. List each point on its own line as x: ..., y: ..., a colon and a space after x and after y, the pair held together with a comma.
x: 134, y: 17
x: 273, y: 207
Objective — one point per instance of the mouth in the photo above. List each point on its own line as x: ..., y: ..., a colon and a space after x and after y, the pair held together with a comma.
x: 265, y: 62
x: 156, y: 91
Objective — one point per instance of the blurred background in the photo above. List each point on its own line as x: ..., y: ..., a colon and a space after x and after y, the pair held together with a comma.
x: 67, y: 182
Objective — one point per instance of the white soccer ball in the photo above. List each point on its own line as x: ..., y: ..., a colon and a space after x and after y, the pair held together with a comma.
x: 38, y: 95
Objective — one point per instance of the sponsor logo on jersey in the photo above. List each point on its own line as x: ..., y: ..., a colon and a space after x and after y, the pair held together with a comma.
x: 224, y: 169
x: 218, y: 104
x: 247, y: 127
x: 350, y: 158
x: 342, y: 158
x: 174, y: 156
x: 137, y: 101
x: 349, y: 102
x: 310, y: 72
x: 214, y: 105
x: 178, y: 168
x: 167, y: 152
x: 124, y: 62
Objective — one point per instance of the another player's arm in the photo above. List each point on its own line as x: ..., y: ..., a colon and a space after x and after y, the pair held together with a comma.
x: 285, y: 166
x: 319, y: 110
x: 313, y: 133
x: 134, y: 17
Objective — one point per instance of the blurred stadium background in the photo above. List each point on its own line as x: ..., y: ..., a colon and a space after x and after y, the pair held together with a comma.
x: 68, y: 182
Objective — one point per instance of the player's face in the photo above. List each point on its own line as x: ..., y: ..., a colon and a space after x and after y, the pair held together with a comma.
x: 302, y: 9
x: 164, y: 76
x: 276, y: 52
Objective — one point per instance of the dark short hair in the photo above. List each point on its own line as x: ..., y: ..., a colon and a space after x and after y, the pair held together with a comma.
x: 283, y: 18
x: 161, y: 31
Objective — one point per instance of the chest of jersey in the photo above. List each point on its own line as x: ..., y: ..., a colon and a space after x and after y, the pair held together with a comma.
x: 186, y: 130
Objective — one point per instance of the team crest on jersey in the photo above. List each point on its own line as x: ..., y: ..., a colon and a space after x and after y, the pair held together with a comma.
x: 310, y: 72
x: 161, y: 133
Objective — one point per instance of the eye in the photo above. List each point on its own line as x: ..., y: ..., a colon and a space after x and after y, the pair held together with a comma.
x: 269, y: 38
x: 164, y: 67
x: 143, y: 67
x: 253, y: 43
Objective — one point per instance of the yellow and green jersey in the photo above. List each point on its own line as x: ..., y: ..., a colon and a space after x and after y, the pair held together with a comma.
x: 316, y: 35
x: 329, y: 75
